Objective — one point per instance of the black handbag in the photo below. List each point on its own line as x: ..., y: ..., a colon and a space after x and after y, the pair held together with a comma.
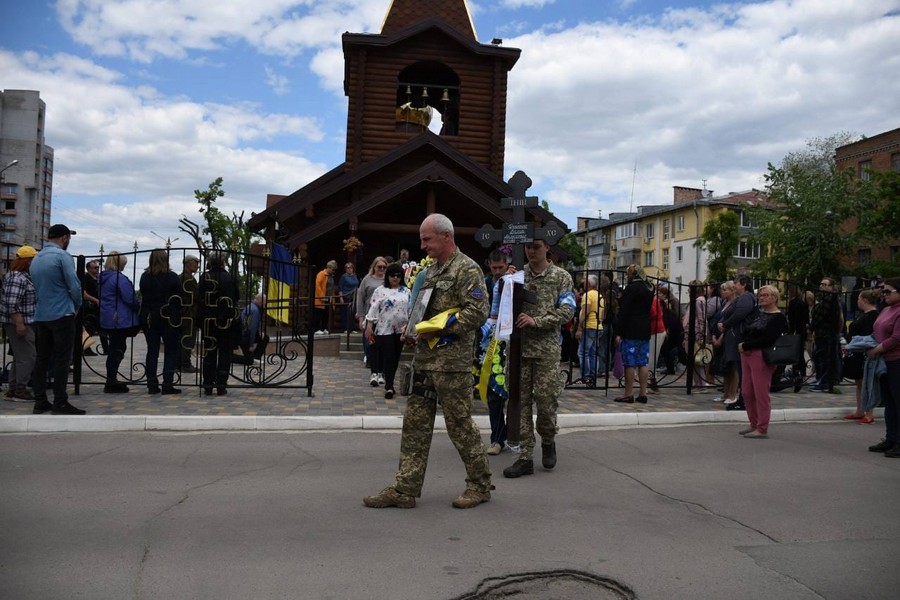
x: 786, y: 350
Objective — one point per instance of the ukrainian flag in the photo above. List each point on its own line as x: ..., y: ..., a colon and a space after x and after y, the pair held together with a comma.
x: 282, y: 276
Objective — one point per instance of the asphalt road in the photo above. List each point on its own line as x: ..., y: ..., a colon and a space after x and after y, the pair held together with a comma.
x: 669, y: 512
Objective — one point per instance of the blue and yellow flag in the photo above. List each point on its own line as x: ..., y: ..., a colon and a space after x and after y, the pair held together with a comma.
x: 282, y: 276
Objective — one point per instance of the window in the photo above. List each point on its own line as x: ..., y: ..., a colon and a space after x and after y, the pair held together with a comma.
x: 9, y: 205
x: 864, y: 167
x: 648, y: 259
x: 895, y: 162
x: 864, y: 256
x: 665, y: 261
x: 679, y: 254
x: 628, y: 230
x: 679, y: 223
x: 747, y: 250
x: 746, y: 221
x: 665, y: 229
x: 8, y: 219
x: 648, y: 231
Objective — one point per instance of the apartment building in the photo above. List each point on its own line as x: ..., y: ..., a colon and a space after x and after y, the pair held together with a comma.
x: 661, y: 238
x: 26, y: 181
x: 877, y: 153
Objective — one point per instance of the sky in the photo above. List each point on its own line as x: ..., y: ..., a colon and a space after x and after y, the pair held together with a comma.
x: 611, y: 104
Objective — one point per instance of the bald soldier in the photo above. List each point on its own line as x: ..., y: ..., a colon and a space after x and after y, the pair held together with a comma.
x: 443, y: 372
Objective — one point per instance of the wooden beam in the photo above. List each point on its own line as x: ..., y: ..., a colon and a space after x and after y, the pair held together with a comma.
x: 409, y: 228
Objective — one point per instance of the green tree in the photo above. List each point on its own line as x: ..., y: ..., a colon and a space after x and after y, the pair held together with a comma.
x: 225, y: 233
x: 799, y: 227
x: 575, y: 250
x: 720, y: 238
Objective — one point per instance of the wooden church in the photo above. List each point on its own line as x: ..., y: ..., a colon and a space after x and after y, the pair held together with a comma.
x: 426, y: 126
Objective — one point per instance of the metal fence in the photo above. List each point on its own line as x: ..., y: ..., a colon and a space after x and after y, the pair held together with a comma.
x: 288, y: 358
x: 681, y: 360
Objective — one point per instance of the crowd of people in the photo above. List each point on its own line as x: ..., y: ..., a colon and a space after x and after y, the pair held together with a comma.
x: 637, y: 331
x: 41, y: 294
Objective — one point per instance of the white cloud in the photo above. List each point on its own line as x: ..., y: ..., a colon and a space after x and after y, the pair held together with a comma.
x: 144, y: 30
x: 695, y: 95
x: 136, y: 145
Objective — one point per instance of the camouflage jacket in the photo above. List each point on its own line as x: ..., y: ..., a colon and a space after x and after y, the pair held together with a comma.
x: 457, y: 283
x: 555, y: 306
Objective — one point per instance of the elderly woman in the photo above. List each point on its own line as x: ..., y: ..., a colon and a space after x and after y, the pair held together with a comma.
x: 119, y: 316
x: 17, y: 303
x: 732, y: 325
x: 761, y: 332
x: 729, y: 372
x: 371, y: 282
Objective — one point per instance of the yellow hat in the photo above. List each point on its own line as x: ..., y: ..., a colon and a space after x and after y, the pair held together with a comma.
x: 26, y: 252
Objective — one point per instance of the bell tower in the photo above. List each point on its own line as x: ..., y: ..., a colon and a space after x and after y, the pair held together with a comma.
x: 426, y: 72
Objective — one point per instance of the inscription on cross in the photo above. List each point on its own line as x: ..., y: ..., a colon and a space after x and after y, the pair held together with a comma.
x: 517, y: 232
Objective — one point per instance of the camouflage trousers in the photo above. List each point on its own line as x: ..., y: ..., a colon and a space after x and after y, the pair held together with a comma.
x: 455, y: 393
x: 541, y: 385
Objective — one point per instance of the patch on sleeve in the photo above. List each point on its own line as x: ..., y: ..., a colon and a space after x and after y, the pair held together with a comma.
x: 477, y: 292
x: 567, y: 299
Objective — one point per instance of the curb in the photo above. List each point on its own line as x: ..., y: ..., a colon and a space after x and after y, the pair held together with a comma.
x: 121, y: 423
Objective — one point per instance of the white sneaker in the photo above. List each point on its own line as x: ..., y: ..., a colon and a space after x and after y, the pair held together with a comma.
x: 324, y: 332
x: 729, y: 400
x: 380, y: 379
x: 373, y: 380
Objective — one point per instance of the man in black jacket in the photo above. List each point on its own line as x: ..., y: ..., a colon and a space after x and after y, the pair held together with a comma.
x: 218, y: 312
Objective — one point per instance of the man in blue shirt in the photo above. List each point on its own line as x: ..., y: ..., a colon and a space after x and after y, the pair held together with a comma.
x: 59, y: 297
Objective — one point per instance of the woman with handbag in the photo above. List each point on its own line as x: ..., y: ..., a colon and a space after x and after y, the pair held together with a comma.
x: 118, y: 316
x: 386, y: 321
x: 760, y: 333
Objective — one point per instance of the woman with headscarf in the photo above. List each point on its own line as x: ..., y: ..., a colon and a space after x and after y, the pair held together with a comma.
x: 633, y: 332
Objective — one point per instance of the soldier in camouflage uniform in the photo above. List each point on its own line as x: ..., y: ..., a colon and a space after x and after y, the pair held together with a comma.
x: 540, y: 381
x: 443, y: 373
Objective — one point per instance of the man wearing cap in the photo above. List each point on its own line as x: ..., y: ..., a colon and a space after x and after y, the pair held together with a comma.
x: 17, y: 302
x: 188, y: 312
x: 58, y: 299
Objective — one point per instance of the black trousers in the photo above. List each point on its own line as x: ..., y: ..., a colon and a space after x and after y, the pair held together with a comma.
x: 389, y: 349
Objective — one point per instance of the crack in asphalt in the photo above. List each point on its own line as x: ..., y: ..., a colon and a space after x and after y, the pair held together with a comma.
x: 792, y: 578
x: 691, y: 503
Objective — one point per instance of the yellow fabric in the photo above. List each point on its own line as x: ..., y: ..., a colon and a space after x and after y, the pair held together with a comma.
x: 437, y: 322
x: 590, y: 310
x: 484, y: 376
x: 278, y: 301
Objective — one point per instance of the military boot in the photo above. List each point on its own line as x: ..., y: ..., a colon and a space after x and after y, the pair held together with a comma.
x: 519, y: 468
x: 471, y: 499
x: 389, y: 497
x: 548, y: 455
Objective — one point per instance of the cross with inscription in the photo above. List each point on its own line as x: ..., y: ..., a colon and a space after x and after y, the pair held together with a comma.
x: 516, y: 234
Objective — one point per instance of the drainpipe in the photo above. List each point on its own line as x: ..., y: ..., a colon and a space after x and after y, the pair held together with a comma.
x: 697, y: 259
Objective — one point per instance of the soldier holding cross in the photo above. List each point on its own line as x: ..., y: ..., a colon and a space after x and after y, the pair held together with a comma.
x: 540, y: 324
